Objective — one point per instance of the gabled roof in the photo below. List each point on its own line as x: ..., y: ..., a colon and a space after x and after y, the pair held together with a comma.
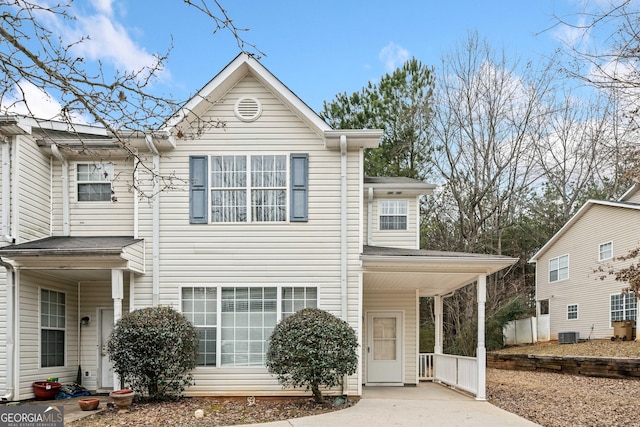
x: 226, y: 79
x: 584, y: 209
x: 630, y: 192
x: 244, y: 65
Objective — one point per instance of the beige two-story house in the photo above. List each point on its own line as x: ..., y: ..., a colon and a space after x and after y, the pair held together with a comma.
x: 244, y: 208
x: 576, y: 298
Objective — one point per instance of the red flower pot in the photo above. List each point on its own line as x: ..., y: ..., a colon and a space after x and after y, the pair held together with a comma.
x: 46, y: 390
x: 89, y: 404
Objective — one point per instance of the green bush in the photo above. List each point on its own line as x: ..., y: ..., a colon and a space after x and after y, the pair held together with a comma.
x: 154, y: 350
x: 312, y: 348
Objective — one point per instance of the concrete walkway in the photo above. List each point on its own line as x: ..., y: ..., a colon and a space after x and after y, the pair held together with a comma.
x: 428, y: 404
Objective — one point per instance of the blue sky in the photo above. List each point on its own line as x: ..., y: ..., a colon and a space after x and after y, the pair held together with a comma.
x: 316, y: 48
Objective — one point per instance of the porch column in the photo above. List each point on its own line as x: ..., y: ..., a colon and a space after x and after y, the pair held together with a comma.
x: 117, y: 293
x: 481, y: 352
x: 437, y: 308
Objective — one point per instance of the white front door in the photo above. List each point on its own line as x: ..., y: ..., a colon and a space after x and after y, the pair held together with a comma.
x: 384, y: 347
x: 106, y: 367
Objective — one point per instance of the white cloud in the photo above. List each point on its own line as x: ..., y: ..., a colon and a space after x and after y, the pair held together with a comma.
x: 30, y: 100
x: 104, y: 6
x: 393, y: 56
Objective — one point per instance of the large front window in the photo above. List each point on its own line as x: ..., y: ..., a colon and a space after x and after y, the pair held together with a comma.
x: 249, y: 188
x: 52, y: 328
x: 624, y: 307
x: 235, y: 323
x: 559, y: 268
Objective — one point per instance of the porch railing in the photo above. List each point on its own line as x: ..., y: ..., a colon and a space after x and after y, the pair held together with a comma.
x: 425, y: 366
x: 457, y: 371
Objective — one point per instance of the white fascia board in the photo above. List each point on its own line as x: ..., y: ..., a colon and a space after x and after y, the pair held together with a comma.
x: 575, y: 218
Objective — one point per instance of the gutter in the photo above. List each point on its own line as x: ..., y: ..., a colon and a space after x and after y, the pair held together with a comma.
x: 10, y: 328
x: 6, y: 191
x: 65, y: 189
x: 155, y: 227
x: 343, y: 225
x: 369, y: 217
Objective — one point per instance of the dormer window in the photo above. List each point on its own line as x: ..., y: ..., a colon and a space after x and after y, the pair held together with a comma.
x: 94, y: 182
x: 393, y: 214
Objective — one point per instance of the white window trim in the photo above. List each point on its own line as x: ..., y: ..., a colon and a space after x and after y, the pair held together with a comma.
x: 40, y: 327
x: 406, y: 215
x: 577, y: 311
x: 219, y: 312
x: 78, y: 182
x: 624, y: 310
x: 248, y: 188
x: 549, y: 269
x: 600, y: 250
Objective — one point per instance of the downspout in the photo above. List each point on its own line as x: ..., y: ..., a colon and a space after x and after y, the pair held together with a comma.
x: 6, y: 191
x: 369, y: 217
x: 10, y: 313
x: 65, y: 189
x: 155, y: 227
x: 343, y: 225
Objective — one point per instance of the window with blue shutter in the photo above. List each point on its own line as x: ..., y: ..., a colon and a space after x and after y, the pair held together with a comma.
x: 299, y: 187
x: 198, y: 200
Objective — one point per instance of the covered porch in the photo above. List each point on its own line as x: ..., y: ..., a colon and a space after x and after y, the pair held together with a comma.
x: 393, y: 282
x: 64, y: 294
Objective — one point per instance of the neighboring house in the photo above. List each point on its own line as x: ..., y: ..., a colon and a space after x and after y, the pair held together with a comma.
x: 571, y: 295
x: 268, y: 212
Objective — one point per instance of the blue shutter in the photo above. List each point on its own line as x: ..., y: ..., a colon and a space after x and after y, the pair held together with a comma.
x: 299, y: 187
x: 198, y: 199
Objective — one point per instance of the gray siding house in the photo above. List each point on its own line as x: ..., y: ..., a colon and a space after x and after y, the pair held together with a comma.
x: 259, y: 218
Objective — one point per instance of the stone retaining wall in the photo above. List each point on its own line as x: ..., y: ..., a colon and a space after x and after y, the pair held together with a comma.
x: 612, y: 367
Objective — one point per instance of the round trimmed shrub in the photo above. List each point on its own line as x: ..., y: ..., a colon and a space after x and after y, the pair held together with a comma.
x: 312, y: 348
x: 154, y: 350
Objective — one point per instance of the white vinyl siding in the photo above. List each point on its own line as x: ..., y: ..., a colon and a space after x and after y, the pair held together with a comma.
x: 263, y: 253
x: 33, y: 181
x: 559, y: 268
x: 404, y: 301
x: 405, y: 238
x: 103, y: 218
x: 605, y: 251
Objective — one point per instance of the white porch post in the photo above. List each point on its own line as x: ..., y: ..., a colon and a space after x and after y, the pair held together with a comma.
x: 117, y: 293
x: 481, y: 352
x: 437, y: 306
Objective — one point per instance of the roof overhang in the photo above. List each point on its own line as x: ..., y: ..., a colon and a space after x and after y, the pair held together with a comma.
x: 78, y: 253
x: 430, y: 272
x: 354, y: 138
x: 399, y: 186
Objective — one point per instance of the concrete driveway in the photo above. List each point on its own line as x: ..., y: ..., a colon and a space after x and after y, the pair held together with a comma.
x: 428, y: 404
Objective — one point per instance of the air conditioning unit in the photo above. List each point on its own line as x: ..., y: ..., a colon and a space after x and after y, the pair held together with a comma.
x: 568, y: 337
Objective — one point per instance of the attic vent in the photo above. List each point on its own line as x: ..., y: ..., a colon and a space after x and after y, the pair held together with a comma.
x: 248, y: 109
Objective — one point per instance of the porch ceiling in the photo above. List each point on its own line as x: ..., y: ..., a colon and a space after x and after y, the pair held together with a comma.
x: 430, y: 272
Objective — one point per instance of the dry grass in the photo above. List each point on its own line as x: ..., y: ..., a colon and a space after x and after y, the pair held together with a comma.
x: 594, y: 348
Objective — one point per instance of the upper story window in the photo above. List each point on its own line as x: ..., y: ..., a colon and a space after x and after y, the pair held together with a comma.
x: 94, y: 182
x: 605, y: 251
x: 559, y: 268
x: 52, y: 328
x: 393, y: 214
x: 249, y: 188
